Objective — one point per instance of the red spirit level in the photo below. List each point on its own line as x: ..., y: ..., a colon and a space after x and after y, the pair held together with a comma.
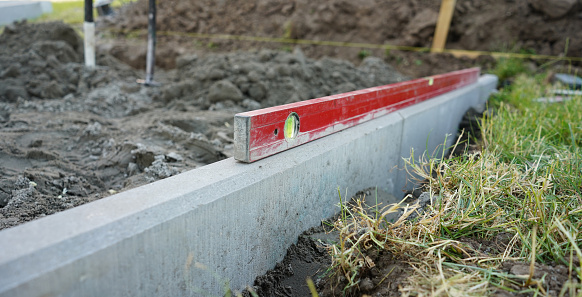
x: 264, y: 132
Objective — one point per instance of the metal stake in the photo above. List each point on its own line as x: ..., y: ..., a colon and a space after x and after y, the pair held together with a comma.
x: 151, y: 53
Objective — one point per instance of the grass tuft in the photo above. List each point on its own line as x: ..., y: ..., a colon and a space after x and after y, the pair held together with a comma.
x: 517, y: 200
x: 73, y: 12
x: 70, y: 12
x: 508, y: 68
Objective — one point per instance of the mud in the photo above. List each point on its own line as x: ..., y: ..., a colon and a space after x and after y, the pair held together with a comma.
x: 70, y: 135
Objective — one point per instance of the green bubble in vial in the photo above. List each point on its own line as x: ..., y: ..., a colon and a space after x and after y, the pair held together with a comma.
x: 291, y: 128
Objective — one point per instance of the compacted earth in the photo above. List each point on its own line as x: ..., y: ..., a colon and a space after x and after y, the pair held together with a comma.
x: 70, y: 134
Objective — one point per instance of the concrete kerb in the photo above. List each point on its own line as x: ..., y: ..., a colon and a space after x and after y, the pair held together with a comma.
x: 487, y: 85
x: 188, y: 234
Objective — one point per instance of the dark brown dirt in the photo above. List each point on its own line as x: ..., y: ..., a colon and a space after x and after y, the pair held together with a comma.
x: 554, y: 277
x: 310, y: 258
x: 384, y: 279
x: 498, y: 25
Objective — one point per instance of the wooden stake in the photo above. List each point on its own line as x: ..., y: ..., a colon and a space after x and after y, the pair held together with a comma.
x: 443, y: 24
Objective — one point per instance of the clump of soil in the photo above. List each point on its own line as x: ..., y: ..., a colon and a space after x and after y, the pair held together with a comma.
x: 43, y: 61
x: 267, y: 78
x: 308, y: 258
x: 42, y: 57
x: 70, y: 134
x: 416, y: 64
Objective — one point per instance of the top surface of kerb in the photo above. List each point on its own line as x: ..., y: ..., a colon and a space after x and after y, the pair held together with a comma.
x: 264, y: 132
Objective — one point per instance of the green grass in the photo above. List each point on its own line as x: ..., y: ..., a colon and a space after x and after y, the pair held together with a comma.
x: 509, y: 68
x: 69, y: 12
x: 72, y: 12
x: 525, y: 183
x: 363, y: 54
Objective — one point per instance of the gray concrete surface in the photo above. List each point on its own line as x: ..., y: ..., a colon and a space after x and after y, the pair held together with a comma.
x: 11, y: 11
x: 188, y: 234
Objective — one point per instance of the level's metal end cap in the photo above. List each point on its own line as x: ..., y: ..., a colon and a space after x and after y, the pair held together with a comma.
x: 242, y: 127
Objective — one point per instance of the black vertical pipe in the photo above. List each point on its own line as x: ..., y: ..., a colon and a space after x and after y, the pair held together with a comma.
x: 89, y: 11
x: 151, y: 53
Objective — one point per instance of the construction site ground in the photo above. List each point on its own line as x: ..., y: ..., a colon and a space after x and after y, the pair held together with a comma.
x: 70, y: 135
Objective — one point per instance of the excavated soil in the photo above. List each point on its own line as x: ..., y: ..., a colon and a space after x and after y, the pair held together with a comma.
x: 70, y: 135
x: 535, y: 26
